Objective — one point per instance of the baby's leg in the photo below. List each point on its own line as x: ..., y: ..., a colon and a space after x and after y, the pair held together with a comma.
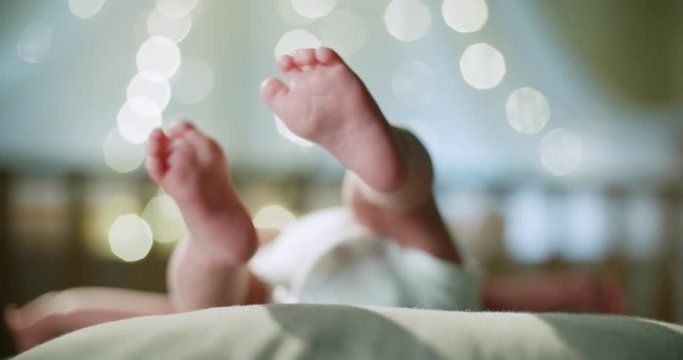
x: 390, y: 174
x: 57, y: 313
x: 208, y: 266
x: 206, y: 269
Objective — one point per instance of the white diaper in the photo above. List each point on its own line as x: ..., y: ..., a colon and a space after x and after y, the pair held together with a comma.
x: 326, y: 257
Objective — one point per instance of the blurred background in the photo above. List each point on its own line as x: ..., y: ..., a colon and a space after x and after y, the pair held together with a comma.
x: 556, y: 129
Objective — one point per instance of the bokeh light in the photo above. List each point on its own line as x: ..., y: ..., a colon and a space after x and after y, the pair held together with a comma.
x: 288, y: 14
x: 133, y: 127
x: 164, y: 217
x: 85, y: 9
x: 148, y: 94
x: 283, y: 130
x: 175, y: 8
x: 526, y: 231
x: 130, y: 238
x: 465, y: 16
x: 407, y: 20
x: 588, y: 224
x: 174, y: 28
x: 527, y: 110
x: 273, y: 217
x: 313, y: 9
x: 34, y: 42
x: 344, y: 31
x: 482, y: 66
x: 121, y: 155
x: 644, y: 218
x: 295, y: 39
x: 561, y: 152
x: 103, y: 207
x: 158, y: 57
x: 194, y: 81
x: 414, y: 83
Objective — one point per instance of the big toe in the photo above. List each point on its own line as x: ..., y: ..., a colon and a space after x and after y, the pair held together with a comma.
x: 157, y: 153
x: 327, y: 56
x: 272, y: 91
x: 180, y: 127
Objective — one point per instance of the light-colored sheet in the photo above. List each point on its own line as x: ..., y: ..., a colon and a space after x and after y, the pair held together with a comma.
x: 301, y: 331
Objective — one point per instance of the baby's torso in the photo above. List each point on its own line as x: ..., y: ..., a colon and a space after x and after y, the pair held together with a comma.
x: 292, y: 253
x: 327, y: 257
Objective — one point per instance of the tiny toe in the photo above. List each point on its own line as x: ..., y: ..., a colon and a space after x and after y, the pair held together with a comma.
x: 158, y: 147
x: 156, y: 168
x: 286, y: 64
x: 327, y: 56
x: 157, y: 143
x: 205, y: 146
x: 179, y: 128
x: 305, y: 57
x: 272, y: 89
x: 181, y: 160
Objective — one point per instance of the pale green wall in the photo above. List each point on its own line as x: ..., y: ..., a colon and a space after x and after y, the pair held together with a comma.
x: 633, y: 48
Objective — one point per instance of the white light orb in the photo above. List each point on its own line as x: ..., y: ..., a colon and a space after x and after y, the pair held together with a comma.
x: 294, y: 40
x: 345, y: 32
x: 407, y: 20
x: 133, y: 127
x: 194, y: 81
x: 414, y: 83
x: 174, y: 28
x: 34, y: 42
x: 644, y: 215
x: 527, y: 227
x: 164, y: 217
x: 104, y: 205
x: 85, y: 9
x: 527, y: 110
x: 561, y: 152
x: 121, y: 155
x: 158, y: 57
x: 273, y: 217
x: 465, y: 16
x: 148, y: 94
x: 130, y: 238
x: 482, y: 66
x: 589, y: 227
x: 290, y: 16
x: 313, y: 9
x: 175, y: 8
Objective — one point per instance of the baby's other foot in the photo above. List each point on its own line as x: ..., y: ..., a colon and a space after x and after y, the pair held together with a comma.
x: 327, y: 103
x: 191, y: 168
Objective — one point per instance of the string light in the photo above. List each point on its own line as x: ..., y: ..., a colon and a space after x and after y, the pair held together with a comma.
x: 407, y: 20
x: 482, y: 66
x: 34, y: 42
x: 85, y: 9
x: 313, y: 9
x: 465, y: 16
x: 295, y: 39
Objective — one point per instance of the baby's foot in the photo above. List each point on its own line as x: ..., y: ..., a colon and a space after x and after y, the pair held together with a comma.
x: 328, y: 104
x: 191, y: 168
